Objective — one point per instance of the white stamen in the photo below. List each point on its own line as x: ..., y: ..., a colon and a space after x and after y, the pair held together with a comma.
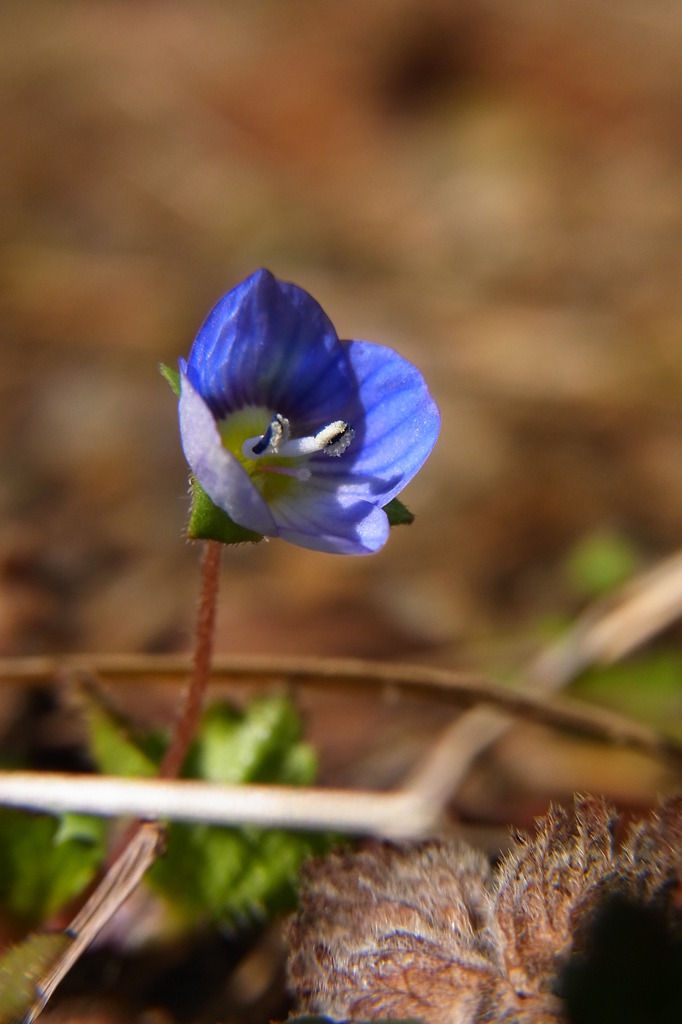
x: 336, y: 437
x: 332, y: 440
x: 269, y: 442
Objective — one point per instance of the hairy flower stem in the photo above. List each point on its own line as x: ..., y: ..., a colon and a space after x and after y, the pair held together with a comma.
x: 186, y: 726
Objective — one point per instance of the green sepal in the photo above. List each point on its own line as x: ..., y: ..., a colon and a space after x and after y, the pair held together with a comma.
x: 398, y: 514
x: 172, y: 376
x: 208, y: 522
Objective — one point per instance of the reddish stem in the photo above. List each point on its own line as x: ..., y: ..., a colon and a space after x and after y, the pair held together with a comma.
x: 187, y: 724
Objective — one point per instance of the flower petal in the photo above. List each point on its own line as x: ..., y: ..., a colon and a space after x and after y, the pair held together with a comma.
x: 223, y: 478
x: 269, y: 343
x: 320, y: 519
x: 396, y: 424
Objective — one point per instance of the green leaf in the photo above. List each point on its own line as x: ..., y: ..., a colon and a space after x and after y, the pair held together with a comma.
x: 224, y: 874
x: 113, y: 749
x: 255, y: 745
x: 45, y: 861
x: 172, y: 376
x: 232, y: 875
x: 241, y: 874
x: 646, y: 687
x: 22, y: 967
x: 398, y: 514
x: 208, y: 522
x: 41, y: 868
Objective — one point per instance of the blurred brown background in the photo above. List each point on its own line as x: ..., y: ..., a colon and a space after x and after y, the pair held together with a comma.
x: 493, y: 189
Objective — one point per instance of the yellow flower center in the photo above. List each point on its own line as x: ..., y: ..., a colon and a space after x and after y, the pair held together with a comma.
x: 268, y: 472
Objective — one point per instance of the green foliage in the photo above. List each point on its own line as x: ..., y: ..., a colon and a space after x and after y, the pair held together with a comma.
x: 114, y: 750
x: 238, y: 874
x: 21, y: 967
x: 260, y: 744
x: 46, y: 861
x: 648, y: 688
x: 600, y: 563
x: 219, y: 873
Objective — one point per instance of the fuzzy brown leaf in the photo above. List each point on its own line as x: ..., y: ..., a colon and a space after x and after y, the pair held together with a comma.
x: 430, y: 932
x: 400, y: 933
x: 545, y: 885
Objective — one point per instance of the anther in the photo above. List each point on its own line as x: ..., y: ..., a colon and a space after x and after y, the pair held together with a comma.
x: 335, y: 438
x: 269, y: 444
x: 332, y: 440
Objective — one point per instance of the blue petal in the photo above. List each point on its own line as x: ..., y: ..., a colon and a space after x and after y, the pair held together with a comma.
x: 320, y: 519
x: 270, y: 344
x: 396, y: 424
x: 223, y: 478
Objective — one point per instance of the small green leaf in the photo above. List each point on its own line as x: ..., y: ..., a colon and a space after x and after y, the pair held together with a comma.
x: 248, y: 746
x: 398, y: 514
x: 172, y: 376
x: 114, y: 751
x: 208, y: 522
x: 82, y: 827
x: 22, y: 967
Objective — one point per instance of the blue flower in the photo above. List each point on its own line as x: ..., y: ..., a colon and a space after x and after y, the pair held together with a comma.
x: 296, y: 434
